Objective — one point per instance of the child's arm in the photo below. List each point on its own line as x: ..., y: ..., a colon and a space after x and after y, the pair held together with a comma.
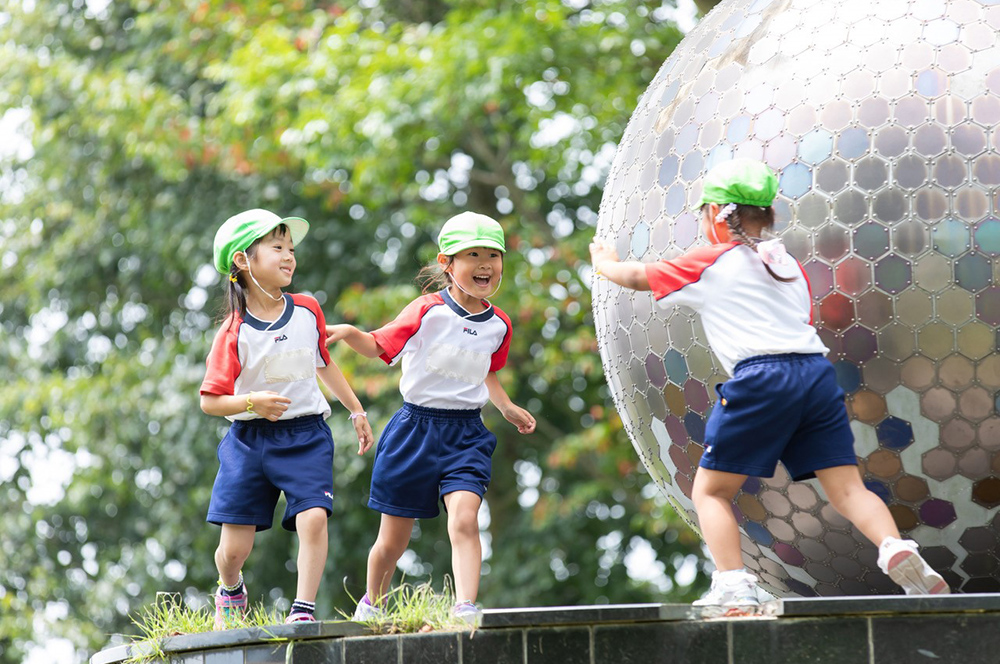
x: 333, y: 378
x: 630, y: 274
x: 513, y: 413
x: 362, y: 342
x: 269, y: 405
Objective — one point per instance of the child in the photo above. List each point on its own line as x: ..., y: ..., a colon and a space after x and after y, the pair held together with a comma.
x: 783, y: 402
x: 262, y: 377
x: 451, y: 344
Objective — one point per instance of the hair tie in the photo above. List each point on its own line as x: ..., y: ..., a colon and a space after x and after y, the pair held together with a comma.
x: 773, y: 252
x: 232, y: 278
x: 726, y: 211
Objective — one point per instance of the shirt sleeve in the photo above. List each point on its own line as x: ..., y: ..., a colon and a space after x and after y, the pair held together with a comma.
x: 393, y: 337
x: 223, y: 360
x: 682, y: 280
x: 499, y: 358
x: 310, y: 303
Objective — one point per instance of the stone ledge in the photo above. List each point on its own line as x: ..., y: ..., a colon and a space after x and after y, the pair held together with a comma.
x: 847, y: 630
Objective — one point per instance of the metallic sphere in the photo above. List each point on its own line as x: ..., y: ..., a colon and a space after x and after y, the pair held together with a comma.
x: 881, y: 120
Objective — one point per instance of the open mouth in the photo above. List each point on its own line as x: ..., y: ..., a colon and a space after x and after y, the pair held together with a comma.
x: 481, y: 280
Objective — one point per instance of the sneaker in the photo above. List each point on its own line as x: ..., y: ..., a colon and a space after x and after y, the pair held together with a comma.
x: 366, y: 610
x: 230, y: 610
x: 735, y: 589
x: 299, y: 617
x: 899, y: 559
x: 467, y: 611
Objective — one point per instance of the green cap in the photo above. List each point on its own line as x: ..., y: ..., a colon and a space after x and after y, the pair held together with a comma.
x: 740, y: 181
x: 467, y: 230
x: 241, y: 230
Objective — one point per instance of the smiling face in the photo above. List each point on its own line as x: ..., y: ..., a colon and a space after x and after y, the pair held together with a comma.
x: 476, y: 271
x: 272, y: 259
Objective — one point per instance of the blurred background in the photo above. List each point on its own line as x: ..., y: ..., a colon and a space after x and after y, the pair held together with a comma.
x: 130, y: 130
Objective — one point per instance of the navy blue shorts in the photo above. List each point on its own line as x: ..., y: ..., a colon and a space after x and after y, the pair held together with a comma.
x: 259, y: 459
x: 427, y: 453
x: 785, y: 408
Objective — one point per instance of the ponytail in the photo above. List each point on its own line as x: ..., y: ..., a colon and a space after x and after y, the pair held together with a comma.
x: 433, y: 277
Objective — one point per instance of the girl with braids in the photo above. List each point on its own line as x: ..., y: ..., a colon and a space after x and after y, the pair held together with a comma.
x: 783, y: 402
x: 262, y: 377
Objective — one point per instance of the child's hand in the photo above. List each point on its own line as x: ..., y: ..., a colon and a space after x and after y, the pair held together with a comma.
x: 269, y: 405
x: 601, y: 252
x: 364, y: 431
x: 335, y: 333
x: 520, y: 418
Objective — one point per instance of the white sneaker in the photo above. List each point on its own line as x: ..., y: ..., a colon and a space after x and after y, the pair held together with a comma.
x: 735, y: 588
x: 899, y: 559
x: 467, y: 611
x: 365, y: 611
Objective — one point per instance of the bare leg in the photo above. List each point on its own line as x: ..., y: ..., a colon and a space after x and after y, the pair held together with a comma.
x: 850, y: 497
x: 713, y: 494
x: 393, y: 536
x: 466, y: 549
x: 310, y: 525
x: 235, y: 544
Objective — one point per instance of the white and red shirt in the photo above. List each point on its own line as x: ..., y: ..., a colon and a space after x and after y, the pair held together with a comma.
x: 250, y: 354
x: 745, y: 311
x: 446, y: 351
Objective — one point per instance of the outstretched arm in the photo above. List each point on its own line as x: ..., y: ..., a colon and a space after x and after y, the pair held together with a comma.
x: 630, y: 274
x: 513, y: 413
x: 333, y: 378
x: 362, y: 342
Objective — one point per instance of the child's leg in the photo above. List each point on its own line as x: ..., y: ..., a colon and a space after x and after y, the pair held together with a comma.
x: 897, y: 558
x: 713, y: 494
x: 313, y: 543
x: 850, y: 497
x: 393, y: 536
x: 235, y: 545
x: 466, y: 549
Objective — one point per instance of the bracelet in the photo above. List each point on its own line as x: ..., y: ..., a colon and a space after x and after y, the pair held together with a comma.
x: 250, y: 404
x: 354, y: 416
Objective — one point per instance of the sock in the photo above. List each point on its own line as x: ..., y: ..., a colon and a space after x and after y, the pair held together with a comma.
x: 231, y: 591
x: 302, y: 606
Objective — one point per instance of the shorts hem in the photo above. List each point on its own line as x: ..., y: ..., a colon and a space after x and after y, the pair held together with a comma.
x: 810, y: 472
x: 404, y: 512
x: 220, y: 519
x: 462, y: 486
x: 751, y: 471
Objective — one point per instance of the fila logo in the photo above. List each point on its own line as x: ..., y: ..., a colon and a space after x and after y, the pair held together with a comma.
x: 280, y: 338
x: 469, y: 330
x: 328, y: 495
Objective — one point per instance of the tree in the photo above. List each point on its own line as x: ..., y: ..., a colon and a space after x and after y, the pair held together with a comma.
x: 149, y: 123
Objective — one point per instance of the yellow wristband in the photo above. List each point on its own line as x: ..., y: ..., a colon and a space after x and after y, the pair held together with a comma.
x: 250, y: 404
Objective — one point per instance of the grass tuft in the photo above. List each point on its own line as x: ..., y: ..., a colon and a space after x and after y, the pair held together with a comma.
x: 417, y: 608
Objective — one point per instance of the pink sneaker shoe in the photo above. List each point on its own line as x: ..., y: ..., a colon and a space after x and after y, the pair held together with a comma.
x: 899, y: 559
x: 299, y: 617
x: 230, y: 610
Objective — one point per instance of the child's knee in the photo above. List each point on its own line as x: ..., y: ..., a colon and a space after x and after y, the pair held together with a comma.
x: 233, y: 553
x: 311, y: 521
x: 463, y: 523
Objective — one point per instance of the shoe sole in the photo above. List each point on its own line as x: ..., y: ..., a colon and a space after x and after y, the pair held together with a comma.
x: 907, y: 570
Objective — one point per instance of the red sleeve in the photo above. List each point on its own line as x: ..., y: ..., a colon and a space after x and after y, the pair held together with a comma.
x: 499, y: 358
x: 312, y: 305
x: 393, y: 336
x: 223, y: 360
x: 669, y: 276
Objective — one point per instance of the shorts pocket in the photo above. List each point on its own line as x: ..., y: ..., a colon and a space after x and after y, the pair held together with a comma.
x: 290, y: 366
x: 456, y: 363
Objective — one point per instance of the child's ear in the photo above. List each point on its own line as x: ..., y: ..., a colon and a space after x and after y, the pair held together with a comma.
x: 443, y: 261
x: 721, y: 229
x: 240, y: 260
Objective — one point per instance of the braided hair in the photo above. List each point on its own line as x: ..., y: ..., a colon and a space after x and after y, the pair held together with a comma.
x: 762, y: 217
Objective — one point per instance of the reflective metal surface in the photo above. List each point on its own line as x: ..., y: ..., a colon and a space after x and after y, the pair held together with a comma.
x: 880, y: 118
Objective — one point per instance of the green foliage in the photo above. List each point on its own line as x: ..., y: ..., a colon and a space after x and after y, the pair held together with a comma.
x: 150, y: 122
x: 411, y: 608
